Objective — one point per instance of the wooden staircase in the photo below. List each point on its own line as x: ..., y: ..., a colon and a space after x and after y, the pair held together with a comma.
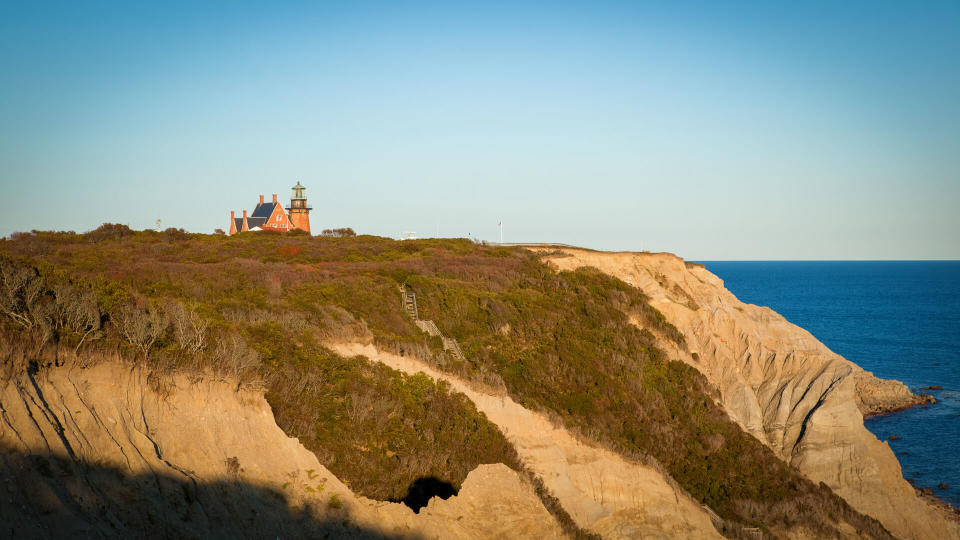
x: 409, y: 301
x: 451, y: 346
x: 429, y: 327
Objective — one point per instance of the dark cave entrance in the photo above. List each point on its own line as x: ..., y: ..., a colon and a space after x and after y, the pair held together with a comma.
x: 423, y: 489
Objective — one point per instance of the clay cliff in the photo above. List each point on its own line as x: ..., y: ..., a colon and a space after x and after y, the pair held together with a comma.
x: 109, y: 450
x: 604, y: 493
x: 782, y: 385
x: 106, y: 452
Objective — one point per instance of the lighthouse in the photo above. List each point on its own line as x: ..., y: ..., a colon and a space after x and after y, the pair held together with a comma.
x: 298, y: 210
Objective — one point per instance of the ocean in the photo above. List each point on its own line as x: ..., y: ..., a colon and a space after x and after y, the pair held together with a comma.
x: 898, y: 319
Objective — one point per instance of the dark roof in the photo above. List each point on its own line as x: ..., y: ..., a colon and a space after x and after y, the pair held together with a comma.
x: 251, y: 222
x: 264, y: 211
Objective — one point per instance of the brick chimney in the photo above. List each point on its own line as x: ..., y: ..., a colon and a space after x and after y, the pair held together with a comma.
x: 233, y: 224
x: 274, y: 198
x: 245, y: 226
x: 261, y: 199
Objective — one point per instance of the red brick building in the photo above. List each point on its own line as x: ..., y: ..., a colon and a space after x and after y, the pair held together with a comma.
x: 299, y: 209
x: 271, y: 215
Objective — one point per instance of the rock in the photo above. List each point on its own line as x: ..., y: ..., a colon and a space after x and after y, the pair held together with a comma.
x: 493, y: 502
x: 932, y: 387
x: 878, y: 396
x: 894, y: 437
x: 942, y: 485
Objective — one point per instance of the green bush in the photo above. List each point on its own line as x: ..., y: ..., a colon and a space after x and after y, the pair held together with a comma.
x: 374, y: 427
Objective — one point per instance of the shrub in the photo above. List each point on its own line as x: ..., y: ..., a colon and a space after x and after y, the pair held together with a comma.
x: 374, y: 427
x: 189, y: 328
x: 141, y: 323
x: 345, y: 232
x: 173, y: 235
x: 289, y: 251
x: 108, y: 231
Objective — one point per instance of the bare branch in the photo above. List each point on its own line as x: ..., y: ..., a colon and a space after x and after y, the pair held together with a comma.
x: 141, y: 326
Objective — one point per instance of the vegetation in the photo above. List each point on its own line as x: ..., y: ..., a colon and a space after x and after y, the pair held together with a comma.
x: 371, y: 426
x: 561, y: 342
x: 345, y: 232
x: 375, y: 428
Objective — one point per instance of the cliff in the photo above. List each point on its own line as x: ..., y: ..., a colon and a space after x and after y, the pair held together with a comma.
x: 603, y: 492
x: 100, y: 452
x: 781, y: 385
x: 606, y: 433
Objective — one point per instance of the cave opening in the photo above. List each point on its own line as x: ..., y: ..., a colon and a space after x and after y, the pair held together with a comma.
x: 423, y: 489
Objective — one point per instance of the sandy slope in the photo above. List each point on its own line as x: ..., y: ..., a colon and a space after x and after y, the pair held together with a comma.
x: 603, y: 492
x: 782, y: 385
x: 96, y: 452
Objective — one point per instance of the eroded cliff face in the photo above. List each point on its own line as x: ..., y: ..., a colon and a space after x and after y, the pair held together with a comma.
x: 781, y: 385
x: 105, y: 452
x: 603, y: 492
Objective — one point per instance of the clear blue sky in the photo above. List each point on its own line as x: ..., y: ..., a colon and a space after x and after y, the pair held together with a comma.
x: 736, y: 130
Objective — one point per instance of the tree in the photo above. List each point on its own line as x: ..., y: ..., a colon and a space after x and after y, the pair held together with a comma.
x: 345, y: 232
x: 25, y: 298
x: 233, y: 357
x: 108, y: 231
x: 20, y: 293
x: 141, y: 324
x: 76, y: 310
x: 189, y: 328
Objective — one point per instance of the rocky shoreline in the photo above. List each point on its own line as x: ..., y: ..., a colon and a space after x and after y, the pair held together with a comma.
x: 877, y: 397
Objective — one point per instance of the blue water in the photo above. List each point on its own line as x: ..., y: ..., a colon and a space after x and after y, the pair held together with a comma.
x: 898, y: 319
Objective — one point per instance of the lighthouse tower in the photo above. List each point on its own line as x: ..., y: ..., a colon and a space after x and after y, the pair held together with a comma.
x: 298, y: 209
